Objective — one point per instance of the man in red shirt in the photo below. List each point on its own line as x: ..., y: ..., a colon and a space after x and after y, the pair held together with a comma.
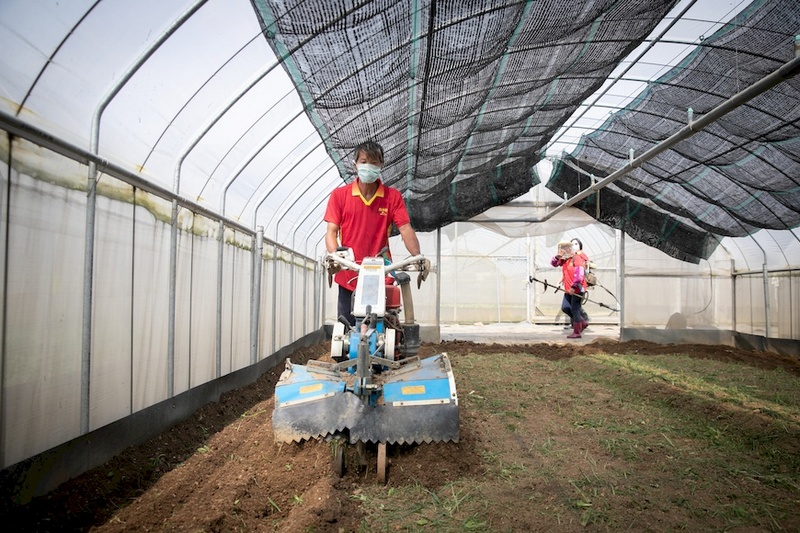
x: 360, y: 216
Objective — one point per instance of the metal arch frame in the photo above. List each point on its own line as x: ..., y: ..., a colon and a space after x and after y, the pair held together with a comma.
x: 621, y: 76
x: 286, y: 123
x: 174, y: 237
x: 713, y: 134
x: 91, y: 209
x: 413, y: 86
x: 385, y: 97
x: 235, y: 99
x: 295, y: 163
x: 197, y: 92
x: 235, y: 143
x: 91, y: 212
x: 178, y: 168
x: 770, y: 233
x: 94, y: 160
x: 786, y: 71
x: 86, y: 339
x: 299, y: 196
x: 308, y: 138
x: 733, y: 216
x: 311, y: 211
x: 51, y: 58
x: 291, y: 278
x: 251, y: 156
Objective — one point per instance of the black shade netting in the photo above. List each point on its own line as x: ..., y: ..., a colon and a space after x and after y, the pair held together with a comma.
x: 740, y: 174
x: 463, y: 96
x: 641, y: 219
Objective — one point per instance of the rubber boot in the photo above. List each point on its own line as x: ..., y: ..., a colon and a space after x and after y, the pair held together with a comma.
x: 576, y: 331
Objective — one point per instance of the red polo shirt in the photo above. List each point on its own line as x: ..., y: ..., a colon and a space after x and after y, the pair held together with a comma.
x: 364, y: 225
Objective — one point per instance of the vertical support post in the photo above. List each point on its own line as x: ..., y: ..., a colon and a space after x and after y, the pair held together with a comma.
x: 292, y: 293
x: 497, y: 288
x: 620, y: 238
x: 529, y: 295
x: 438, y: 284
x: 535, y: 271
x: 792, y: 321
x: 5, y: 206
x: 274, y: 295
x: 765, y: 274
x: 765, y: 277
x: 455, y: 272
x: 305, y: 298
x: 173, y: 277
x: 733, y: 294
x: 319, y: 295
x: 255, y: 293
x: 220, y: 262
x: 88, y: 282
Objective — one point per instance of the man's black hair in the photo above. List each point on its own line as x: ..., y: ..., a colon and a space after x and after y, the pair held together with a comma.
x: 370, y: 148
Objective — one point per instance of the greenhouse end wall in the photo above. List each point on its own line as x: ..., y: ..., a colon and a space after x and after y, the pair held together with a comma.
x: 662, y: 300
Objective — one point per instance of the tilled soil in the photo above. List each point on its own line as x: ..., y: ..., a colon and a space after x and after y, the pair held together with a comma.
x: 220, y: 470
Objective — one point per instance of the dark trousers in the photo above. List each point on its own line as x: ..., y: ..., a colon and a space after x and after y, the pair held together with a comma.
x: 566, y: 307
x: 571, y: 306
x: 345, y: 305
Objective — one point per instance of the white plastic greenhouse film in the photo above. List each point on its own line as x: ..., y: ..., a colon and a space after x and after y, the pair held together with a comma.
x: 110, y: 393
x: 236, y: 302
x: 203, y: 302
x: 150, y: 301
x: 268, y: 328
x: 44, y: 294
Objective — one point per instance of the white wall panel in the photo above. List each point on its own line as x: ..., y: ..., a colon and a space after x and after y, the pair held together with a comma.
x: 42, y: 357
x: 236, y: 288
x: 150, y: 301
x: 112, y: 323
x: 204, y: 301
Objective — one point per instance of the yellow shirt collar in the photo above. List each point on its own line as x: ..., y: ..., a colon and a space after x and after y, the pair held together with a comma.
x: 355, y: 191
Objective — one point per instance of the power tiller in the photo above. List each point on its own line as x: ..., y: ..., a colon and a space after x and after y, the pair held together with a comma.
x: 378, y: 390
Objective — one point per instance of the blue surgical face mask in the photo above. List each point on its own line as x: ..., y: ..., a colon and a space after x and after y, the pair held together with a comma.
x: 368, y: 173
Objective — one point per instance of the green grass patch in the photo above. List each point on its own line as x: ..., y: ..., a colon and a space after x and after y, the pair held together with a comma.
x: 595, y: 440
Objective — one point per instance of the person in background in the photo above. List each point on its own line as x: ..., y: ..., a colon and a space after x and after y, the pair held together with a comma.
x: 360, y: 216
x: 572, y: 275
x: 577, y: 248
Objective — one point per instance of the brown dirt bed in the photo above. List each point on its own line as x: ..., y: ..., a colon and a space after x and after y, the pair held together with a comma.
x: 221, y: 471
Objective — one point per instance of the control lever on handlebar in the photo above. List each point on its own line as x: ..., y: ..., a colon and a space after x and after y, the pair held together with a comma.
x: 424, y: 269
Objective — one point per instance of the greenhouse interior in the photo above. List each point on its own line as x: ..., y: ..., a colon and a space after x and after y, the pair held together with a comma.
x: 186, y: 152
